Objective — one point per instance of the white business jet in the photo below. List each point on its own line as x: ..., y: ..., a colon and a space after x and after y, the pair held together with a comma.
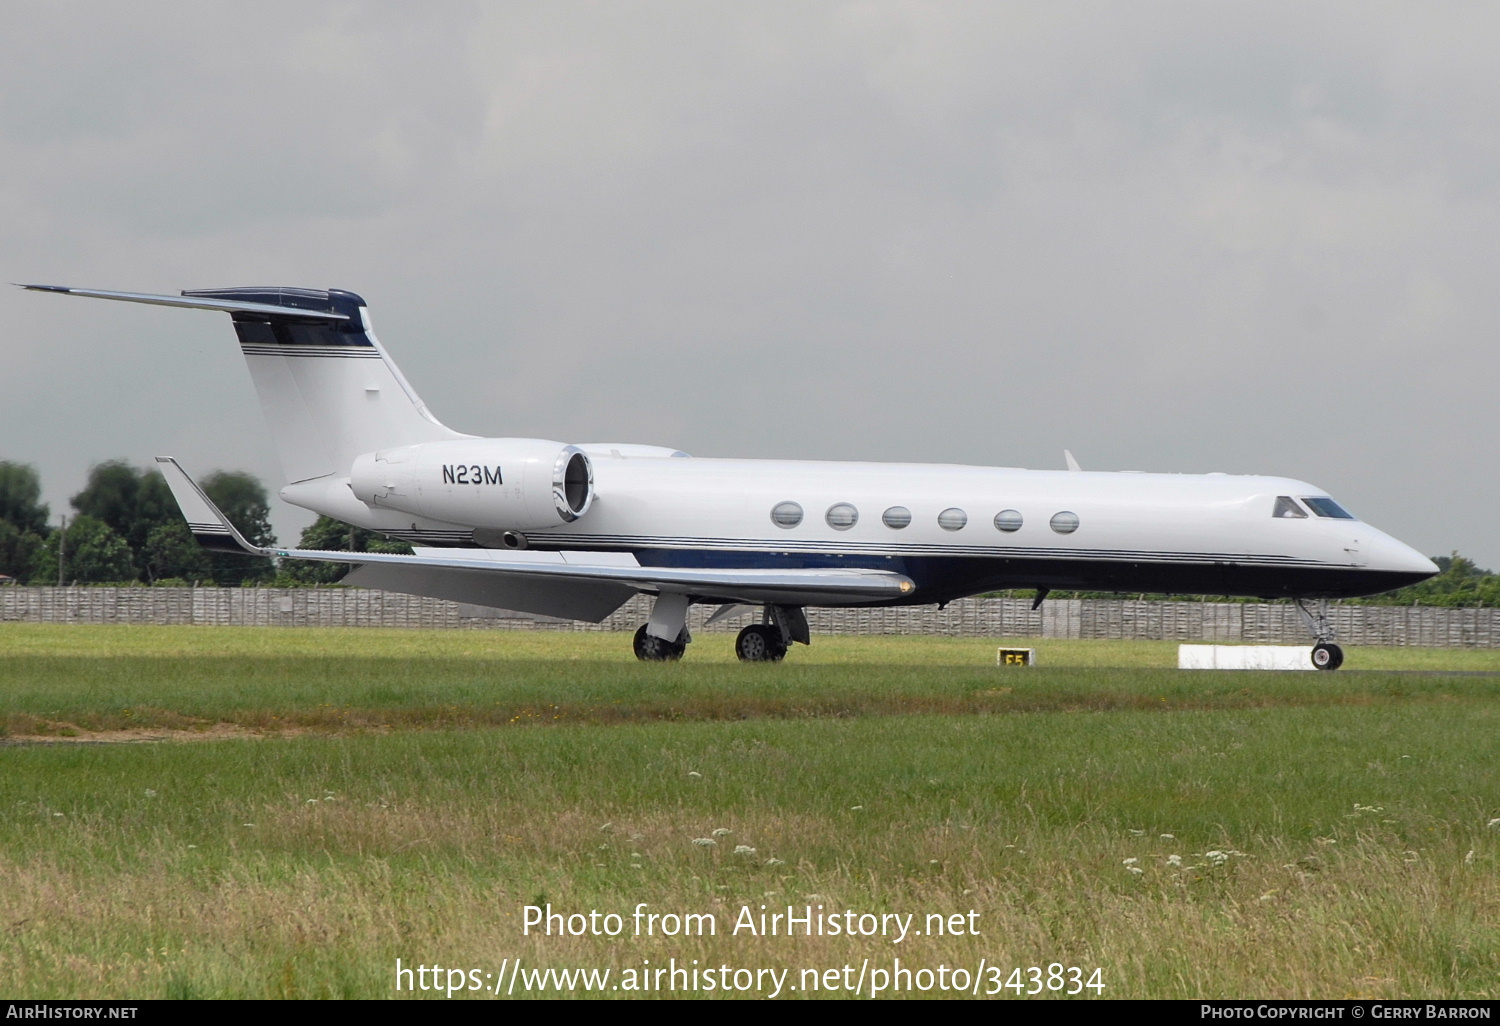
x: 574, y: 531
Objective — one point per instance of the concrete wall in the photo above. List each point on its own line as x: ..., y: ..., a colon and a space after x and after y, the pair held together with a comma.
x: 1010, y: 618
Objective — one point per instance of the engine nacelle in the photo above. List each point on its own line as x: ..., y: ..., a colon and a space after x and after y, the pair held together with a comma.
x: 500, y: 484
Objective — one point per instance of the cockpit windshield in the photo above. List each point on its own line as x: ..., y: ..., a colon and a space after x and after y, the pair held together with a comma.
x: 1323, y: 506
x: 1287, y: 509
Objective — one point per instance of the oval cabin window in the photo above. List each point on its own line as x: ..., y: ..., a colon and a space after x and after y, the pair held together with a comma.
x: 896, y: 517
x: 1008, y: 520
x: 1065, y: 522
x: 952, y: 519
x: 842, y: 516
x: 786, y: 514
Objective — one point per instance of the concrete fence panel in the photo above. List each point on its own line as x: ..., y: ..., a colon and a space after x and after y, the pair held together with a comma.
x: 1123, y: 619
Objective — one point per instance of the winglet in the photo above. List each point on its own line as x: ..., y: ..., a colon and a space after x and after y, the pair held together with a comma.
x: 211, y: 527
x: 1072, y: 463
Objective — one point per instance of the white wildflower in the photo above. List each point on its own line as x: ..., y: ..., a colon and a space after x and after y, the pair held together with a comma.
x: 705, y: 842
x: 59, y: 815
x: 1134, y: 869
x: 1137, y: 833
x: 694, y: 773
x: 721, y: 831
x: 1492, y: 824
x: 151, y: 793
x: 1469, y: 858
x: 743, y: 849
x: 855, y: 808
x: 1130, y: 862
x: 192, y: 846
x: 775, y: 862
x: 1174, y: 861
x: 1169, y: 837
x: 636, y: 855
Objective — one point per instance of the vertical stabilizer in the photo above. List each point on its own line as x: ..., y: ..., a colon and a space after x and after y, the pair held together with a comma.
x: 327, y: 387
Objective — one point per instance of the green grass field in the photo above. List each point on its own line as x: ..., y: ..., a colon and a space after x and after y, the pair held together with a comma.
x: 326, y: 802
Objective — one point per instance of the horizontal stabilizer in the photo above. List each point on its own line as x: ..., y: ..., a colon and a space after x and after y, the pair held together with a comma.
x: 290, y: 308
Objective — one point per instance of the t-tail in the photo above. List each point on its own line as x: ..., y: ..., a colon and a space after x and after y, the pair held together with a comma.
x: 328, y: 389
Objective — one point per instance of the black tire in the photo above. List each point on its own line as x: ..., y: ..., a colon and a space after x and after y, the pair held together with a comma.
x: 651, y: 649
x: 1327, y: 656
x: 759, y: 643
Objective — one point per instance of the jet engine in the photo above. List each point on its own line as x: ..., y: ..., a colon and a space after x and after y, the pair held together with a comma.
x: 500, y: 484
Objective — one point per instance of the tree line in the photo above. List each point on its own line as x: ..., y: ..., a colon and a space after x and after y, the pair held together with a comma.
x: 126, y: 528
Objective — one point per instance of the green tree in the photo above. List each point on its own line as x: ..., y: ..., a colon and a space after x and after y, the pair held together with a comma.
x: 20, y: 497
x: 242, y: 498
x: 133, y: 502
x: 18, y: 551
x: 328, y: 533
x: 172, y: 552
x: 94, y: 554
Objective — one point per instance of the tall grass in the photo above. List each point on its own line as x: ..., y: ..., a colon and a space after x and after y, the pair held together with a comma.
x: 1350, y: 814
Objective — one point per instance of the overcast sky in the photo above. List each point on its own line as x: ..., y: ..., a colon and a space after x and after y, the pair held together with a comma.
x: 1252, y: 238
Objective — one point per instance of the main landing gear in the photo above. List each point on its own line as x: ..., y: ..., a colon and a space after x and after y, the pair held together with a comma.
x: 1326, y: 654
x: 651, y: 649
x: 764, y: 642
x: 760, y: 643
x: 768, y: 641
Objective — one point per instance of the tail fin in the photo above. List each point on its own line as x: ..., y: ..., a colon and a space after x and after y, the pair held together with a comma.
x: 327, y: 387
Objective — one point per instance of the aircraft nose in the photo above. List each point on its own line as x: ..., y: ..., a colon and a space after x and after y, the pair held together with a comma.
x: 1386, y: 553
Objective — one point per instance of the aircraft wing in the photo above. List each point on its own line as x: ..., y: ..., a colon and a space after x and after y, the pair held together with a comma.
x: 570, y: 586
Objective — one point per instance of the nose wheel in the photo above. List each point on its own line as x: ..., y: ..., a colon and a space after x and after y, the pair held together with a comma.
x: 1327, y: 656
x: 760, y: 643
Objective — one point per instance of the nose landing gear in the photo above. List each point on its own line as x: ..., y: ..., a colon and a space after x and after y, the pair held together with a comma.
x: 1326, y: 654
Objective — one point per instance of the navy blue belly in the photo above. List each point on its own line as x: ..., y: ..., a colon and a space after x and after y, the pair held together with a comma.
x: 944, y: 578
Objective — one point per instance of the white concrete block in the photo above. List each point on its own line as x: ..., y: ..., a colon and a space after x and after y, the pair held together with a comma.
x: 1244, y: 657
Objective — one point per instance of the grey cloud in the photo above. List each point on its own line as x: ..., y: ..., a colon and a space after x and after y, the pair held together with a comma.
x: 1168, y: 236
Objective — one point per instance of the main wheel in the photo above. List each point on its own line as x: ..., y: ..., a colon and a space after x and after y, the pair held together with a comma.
x: 1327, y: 656
x: 759, y: 643
x: 651, y: 649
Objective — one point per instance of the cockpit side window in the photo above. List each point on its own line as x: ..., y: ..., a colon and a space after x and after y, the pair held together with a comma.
x: 1323, y: 506
x: 1287, y: 509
